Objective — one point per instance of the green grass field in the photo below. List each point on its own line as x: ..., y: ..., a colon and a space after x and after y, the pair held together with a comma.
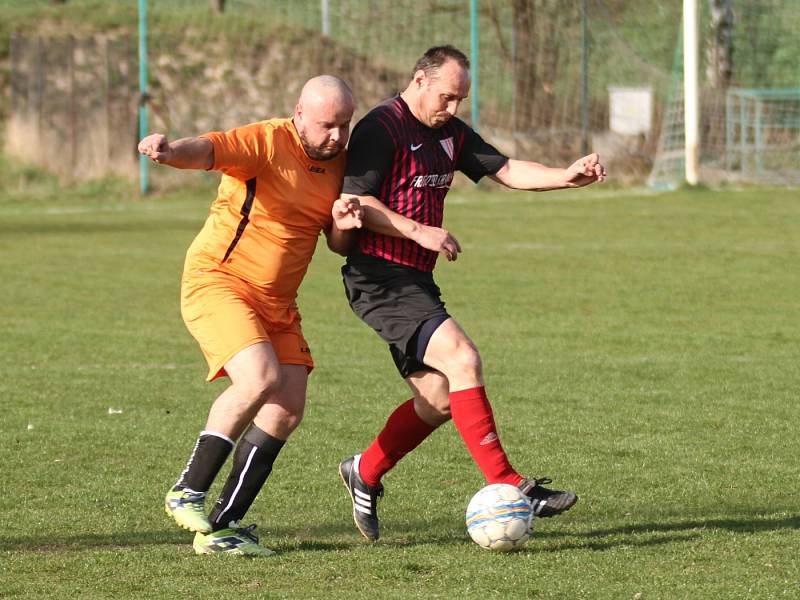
x: 643, y: 350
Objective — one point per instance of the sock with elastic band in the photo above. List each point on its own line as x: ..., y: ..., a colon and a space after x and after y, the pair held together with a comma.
x: 404, y: 431
x: 473, y: 417
x: 252, y: 464
x: 210, y: 452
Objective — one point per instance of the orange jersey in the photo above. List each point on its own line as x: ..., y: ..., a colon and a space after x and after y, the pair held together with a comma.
x: 271, y: 205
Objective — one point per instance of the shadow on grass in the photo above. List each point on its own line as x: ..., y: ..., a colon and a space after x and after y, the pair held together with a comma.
x: 123, y: 540
x: 640, y: 534
x: 743, y: 525
x: 413, y: 534
x: 57, y: 543
x: 540, y: 542
x: 654, y: 534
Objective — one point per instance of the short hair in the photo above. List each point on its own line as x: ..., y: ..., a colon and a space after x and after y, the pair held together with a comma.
x: 435, y: 57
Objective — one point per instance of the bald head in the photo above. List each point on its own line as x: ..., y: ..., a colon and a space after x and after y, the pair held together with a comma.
x: 323, y: 89
x: 322, y: 116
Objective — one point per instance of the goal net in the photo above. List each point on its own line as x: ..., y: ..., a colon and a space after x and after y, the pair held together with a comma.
x: 749, y: 98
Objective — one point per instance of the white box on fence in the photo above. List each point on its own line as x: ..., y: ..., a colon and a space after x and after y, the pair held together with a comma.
x: 630, y: 110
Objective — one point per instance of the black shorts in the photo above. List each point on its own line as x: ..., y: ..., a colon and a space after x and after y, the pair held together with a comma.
x: 400, y: 303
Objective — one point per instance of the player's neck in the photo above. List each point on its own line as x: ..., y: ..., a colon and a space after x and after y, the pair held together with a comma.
x: 410, y: 99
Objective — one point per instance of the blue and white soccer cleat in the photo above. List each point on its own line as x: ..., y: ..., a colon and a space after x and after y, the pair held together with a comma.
x: 188, y: 508
x: 234, y: 540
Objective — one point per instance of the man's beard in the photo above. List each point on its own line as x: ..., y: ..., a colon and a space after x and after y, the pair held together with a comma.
x: 325, y: 152
x: 439, y: 120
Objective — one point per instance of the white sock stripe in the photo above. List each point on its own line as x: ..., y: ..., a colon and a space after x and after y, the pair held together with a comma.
x: 238, y: 484
x: 189, y: 462
x: 361, y: 494
x: 219, y: 435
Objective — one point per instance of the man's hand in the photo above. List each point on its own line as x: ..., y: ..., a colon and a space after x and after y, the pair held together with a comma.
x: 185, y: 153
x: 347, y: 213
x: 585, y: 170
x: 439, y: 240
x: 155, y: 147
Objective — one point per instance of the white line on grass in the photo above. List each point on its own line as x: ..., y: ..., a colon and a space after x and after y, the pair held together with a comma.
x: 112, y: 367
x: 502, y: 195
x: 765, y: 246
x: 87, y: 210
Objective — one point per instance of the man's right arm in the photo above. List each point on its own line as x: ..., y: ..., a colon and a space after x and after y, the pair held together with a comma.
x: 380, y: 218
x: 185, y: 153
x: 369, y: 160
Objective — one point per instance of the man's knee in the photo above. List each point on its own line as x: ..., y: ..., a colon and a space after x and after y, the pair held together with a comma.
x: 280, y: 419
x: 464, y: 359
x: 260, y: 385
x: 290, y: 416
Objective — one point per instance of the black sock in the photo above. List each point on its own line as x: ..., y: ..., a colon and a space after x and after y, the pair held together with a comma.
x: 252, y: 464
x: 209, y: 454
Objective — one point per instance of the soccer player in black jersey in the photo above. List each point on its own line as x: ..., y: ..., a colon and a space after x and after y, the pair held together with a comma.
x: 400, y: 165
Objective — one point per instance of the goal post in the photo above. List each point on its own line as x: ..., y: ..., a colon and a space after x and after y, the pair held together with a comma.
x: 691, y: 96
x: 742, y: 124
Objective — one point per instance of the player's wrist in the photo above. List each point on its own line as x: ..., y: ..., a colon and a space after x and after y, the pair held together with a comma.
x: 168, y: 155
x: 413, y: 230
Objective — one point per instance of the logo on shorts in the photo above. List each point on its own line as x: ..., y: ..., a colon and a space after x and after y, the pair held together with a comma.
x: 305, y: 349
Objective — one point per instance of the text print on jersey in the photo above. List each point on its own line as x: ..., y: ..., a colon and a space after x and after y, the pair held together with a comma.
x: 440, y: 180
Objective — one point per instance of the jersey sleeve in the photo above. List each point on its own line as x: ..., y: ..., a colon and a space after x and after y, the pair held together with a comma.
x: 369, y: 158
x: 242, y: 152
x: 479, y: 158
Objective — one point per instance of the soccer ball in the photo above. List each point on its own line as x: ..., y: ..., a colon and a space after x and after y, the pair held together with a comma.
x: 499, y: 517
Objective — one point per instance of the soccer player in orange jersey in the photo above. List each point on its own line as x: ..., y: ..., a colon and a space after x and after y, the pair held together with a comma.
x: 281, y: 180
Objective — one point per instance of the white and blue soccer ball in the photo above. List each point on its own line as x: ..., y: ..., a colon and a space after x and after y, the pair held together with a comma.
x: 499, y: 517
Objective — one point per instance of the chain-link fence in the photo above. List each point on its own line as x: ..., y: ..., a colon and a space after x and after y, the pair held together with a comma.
x: 551, y: 76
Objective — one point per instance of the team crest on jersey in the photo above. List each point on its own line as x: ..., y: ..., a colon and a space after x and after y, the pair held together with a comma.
x: 447, y: 144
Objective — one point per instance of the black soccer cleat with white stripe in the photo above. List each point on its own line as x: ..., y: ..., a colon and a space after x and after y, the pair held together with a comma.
x: 546, y: 502
x: 364, y: 497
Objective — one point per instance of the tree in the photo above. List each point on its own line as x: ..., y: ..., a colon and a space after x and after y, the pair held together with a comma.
x: 720, y: 44
x: 538, y: 25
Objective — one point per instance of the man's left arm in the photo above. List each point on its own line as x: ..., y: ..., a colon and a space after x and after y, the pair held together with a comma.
x: 524, y: 175
x: 347, y: 216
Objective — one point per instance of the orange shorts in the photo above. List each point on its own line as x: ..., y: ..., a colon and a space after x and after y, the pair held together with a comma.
x: 226, y: 315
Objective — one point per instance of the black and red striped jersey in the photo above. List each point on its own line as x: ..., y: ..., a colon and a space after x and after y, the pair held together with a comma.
x: 409, y: 167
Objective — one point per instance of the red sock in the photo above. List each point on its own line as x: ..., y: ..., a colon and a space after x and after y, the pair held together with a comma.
x: 472, y: 415
x: 403, y: 432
